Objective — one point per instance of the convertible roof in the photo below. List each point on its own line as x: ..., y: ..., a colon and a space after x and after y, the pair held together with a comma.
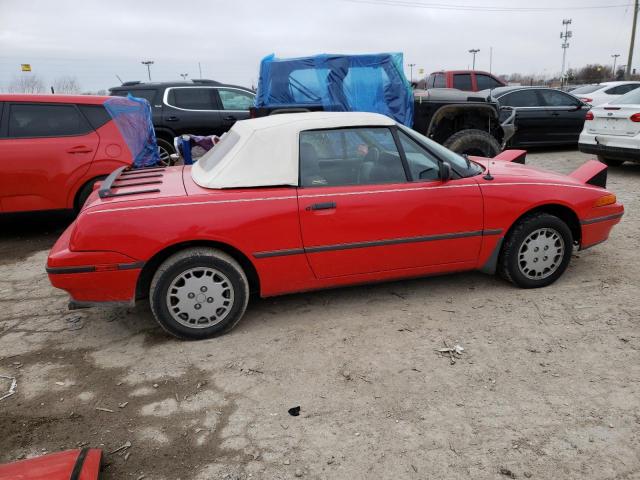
x: 264, y: 151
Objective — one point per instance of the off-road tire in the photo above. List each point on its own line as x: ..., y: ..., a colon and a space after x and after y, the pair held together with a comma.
x: 182, y: 261
x: 611, y: 162
x: 508, y: 263
x: 473, y: 142
x: 83, y: 194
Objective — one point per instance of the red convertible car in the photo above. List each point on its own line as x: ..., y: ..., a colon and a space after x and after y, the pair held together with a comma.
x: 304, y: 201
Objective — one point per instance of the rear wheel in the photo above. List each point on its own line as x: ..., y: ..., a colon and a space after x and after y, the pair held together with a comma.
x: 199, y: 293
x: 83, y: 194
x: 165, y: 149
x: 473, y: 142
x: 612, y: 162
x: 537, y: 251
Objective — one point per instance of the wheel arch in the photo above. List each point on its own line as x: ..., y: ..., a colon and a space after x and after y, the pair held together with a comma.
x: 150, y: 267
x: 471, y: 115
x: 563, y: 212
x: 75, y: 195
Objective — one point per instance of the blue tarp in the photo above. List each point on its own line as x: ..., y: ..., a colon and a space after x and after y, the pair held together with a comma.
x: 352, y: 83
x: 132, y: 116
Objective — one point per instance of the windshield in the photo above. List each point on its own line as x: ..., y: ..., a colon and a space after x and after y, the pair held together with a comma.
x: 631, y: 98
x: 461, y: 165
x: 586, y: 89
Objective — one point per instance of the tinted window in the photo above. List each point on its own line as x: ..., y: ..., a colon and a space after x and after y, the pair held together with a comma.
x: 522, y: 98
x: 586, y: 89
x: 235, y: 99
x: 148, y: 94
x: 462, y: 81
x: 422, y: 165
x: 439, y: 81
x: 622, y: 89
x: 430, y: 81
x: 554, y: 98
x: 351, y: 156
x: 45, y: 121
x: 191, y: 98
x: 485, y: 81
x: 96, y: 114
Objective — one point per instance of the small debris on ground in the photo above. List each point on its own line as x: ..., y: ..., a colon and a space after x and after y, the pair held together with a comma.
x: 294, y: 411
x: 121, y: 449
x: 453, y: 352
x: 506, y: 472
x: 12, y: 388
x: 102, y: 409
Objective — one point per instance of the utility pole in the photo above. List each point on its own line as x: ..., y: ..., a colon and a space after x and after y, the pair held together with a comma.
x: 565, y: 36
x: 633, y: 39
x: 490, y: 59
x: 473, y: 52
x: 184, y: 76
x: 148, y: 63
x: 411, y: 65
x: 200, y: 69
x: 615, y: 57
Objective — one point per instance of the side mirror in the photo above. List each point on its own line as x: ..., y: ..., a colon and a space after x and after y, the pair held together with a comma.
x: 445, y: 171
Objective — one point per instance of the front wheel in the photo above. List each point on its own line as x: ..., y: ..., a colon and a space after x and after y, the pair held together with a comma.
x: 611, y: 162
x: 473, y: 142
x: 199, y: 293
x: 165, y: 150
x: 537, y: 251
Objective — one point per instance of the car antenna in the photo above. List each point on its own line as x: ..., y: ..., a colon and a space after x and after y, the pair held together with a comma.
x: 488, y: 175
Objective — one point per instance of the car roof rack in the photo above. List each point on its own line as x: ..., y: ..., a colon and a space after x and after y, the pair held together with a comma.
x: 133, y: 82
x: 127, y: 177
x: 205, y: 80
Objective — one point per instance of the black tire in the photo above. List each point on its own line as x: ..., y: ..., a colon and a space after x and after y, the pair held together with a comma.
x: 178, y: 265
x: 509, y: 264
x: 473, y: 142
x: 611, y: 162
x: 165, y: 149
x: 83, y: 194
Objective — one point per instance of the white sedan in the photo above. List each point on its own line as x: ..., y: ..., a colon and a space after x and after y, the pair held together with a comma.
x: 604, y: 92
x: 612, y: 131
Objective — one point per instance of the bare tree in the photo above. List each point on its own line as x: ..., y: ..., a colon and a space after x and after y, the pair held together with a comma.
x: 66, y: 84
x: 26, y: 84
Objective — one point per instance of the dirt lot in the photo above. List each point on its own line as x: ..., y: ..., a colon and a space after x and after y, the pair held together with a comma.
x: 548, y: 385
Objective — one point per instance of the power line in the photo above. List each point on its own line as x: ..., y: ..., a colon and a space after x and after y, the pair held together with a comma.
x: 481, y: 8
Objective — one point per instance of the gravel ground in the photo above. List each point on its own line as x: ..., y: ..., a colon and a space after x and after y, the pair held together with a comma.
x: 547, y: 385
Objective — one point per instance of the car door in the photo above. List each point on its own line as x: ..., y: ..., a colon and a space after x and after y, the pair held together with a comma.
x: 45, y: 149
x: 234, y: 104
x: 566, y: 116
x: 531, y: 119
x: 192, y: 110
x: 360, y: 211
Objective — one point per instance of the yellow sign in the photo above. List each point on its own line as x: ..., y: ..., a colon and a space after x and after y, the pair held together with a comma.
x: 26, y: 67
x: 421, y: 71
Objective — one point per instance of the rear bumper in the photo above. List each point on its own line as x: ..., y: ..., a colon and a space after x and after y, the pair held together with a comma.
x: 91, y: 277
x: 611, y: 146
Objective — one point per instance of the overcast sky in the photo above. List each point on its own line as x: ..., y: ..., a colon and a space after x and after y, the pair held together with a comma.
x: 97, y: 40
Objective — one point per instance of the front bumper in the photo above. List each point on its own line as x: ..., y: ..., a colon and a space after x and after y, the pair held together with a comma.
x: 616, y: 147
x: 92, y: 277
x: 596, y: 229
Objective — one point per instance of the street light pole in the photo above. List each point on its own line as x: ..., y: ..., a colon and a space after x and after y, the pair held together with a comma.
x: 473, y: 52
x: 633, y: 39
x: 615, y: 57
x: 564, y: 36
x: 148, y: 63
x: 184, y: 76
x: 411, y: 65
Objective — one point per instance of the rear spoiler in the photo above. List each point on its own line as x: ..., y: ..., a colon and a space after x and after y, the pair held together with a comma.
x: 592, y: 172
x: 513, y: 156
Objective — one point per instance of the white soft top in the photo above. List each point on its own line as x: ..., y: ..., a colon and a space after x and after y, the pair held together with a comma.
x: 264, y: 151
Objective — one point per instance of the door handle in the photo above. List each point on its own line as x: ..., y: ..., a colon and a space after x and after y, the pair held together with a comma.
x: 555, y: 114
x: 322, y: 206
x: 229, y: 117
x: 80, y: 149
x: 172, y: 118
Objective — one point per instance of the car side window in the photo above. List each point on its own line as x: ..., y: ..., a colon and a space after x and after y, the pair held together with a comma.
x: 235, y: 99
x: 349, y: 156
x: 485, y: 82
x: 148, y: 94
x: 439, y: 81
x: 191, y: 98
x: 462, y: 81
x: 554, y: 98
x: 622, y: 89
x: 522, y: 98
x: 31, y: 121
x: 422, y: 165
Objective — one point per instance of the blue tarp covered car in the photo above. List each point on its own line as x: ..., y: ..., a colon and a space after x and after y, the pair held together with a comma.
x: 364, y: 83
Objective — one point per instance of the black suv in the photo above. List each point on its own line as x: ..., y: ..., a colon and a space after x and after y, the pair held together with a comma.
x: 199, y: 107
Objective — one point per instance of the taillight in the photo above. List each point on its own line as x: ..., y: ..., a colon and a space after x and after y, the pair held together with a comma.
x: 586, y: 99
x: 605, y: 200
x: 589, y: 116
x: 635, y: 117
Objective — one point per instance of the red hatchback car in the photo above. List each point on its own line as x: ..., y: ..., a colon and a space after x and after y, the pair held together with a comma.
x: 305, y: 201
x: 54, y: 148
